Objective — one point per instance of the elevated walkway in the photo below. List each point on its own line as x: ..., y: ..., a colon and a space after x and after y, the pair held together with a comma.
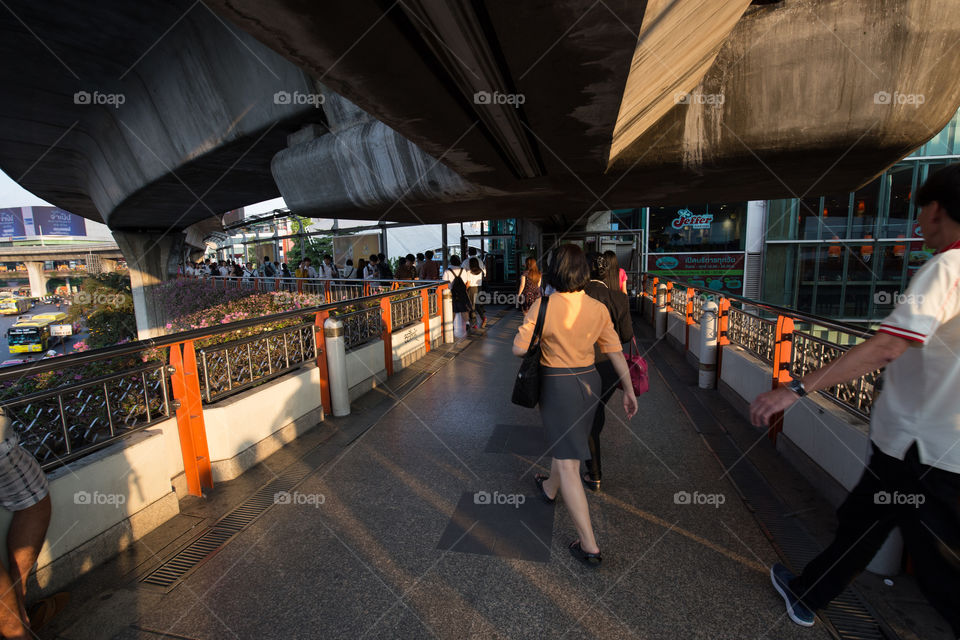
x: 378, y: 525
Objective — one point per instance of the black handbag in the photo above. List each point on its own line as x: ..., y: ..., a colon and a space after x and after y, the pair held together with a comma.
x: 526, y: 388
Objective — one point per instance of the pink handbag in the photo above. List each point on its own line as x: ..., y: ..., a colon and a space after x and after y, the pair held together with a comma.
x: 638, y: 369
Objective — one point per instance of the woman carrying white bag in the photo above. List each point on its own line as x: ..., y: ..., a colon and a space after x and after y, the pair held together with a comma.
x: 460, y: 280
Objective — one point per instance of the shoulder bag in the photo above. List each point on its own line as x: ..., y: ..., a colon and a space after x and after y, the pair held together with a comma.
x: 638, y: 369
x: 526, y: 388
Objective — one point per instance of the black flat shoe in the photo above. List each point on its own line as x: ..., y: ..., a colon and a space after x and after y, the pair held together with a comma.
x: 593, y: 485
x: 539, y: 478
x: 592, y: 560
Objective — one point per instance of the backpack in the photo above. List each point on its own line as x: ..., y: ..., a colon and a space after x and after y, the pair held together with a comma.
x: 384, y: 271
x: 268, y: 271
x: 458, y: 292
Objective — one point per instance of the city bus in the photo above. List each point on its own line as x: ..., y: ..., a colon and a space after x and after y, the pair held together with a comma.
x: 31, y: 334
x: 13, y: 306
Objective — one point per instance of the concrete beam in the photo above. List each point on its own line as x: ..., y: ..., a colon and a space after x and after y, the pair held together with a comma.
x: 38, y: 279
x: 152, y: 259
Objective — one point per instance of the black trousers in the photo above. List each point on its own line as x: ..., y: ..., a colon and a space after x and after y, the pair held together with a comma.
x: 924, y: 502
x: 608, y: 384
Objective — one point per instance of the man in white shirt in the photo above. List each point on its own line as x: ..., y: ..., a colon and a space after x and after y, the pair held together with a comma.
x: 913, y: 479
x: 372, y: 270
x: 311, y: 272
x: 327, y: 270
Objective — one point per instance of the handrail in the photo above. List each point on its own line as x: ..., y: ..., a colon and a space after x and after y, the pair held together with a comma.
x: 130, y: 348
x: 778, y: 310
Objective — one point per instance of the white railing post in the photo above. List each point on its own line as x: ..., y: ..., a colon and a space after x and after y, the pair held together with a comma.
x: 335, y: 343
x: 708, y: 345
x: 447, y: 316
x: 661, y: 310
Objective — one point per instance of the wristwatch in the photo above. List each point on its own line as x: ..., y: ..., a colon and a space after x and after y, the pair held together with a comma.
x: 796, y: 385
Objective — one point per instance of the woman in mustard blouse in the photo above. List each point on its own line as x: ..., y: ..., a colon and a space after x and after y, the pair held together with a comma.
x: 570, y: 387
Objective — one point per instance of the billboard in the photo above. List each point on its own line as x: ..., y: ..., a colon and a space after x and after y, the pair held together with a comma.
x: 53, y: 221
x: 722, y: 272
x: 11, y: 222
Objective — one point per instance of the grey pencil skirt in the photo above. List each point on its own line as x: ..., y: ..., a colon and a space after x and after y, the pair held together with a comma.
x: 568, y: 400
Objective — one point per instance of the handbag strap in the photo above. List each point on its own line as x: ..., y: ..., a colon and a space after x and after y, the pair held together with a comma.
x: 634, y: 347
x: 538, y: 328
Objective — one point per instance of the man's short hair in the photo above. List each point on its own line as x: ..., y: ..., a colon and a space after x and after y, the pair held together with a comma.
x: 419, y: 257
x: 374, y: 258
x: 428, y: 255
x: 943, y: 187
x: 472, y: 251
x: 455, y: 260
x: 569, y: 270
x: 410, y: 257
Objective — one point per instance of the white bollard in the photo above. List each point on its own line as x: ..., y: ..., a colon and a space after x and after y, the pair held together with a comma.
x: 337, y: 366
x: 661, y: 310
x: 447, y: 316
x: 708, y: 345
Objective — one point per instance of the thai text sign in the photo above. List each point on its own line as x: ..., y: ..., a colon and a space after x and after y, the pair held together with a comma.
x: 717, y: 271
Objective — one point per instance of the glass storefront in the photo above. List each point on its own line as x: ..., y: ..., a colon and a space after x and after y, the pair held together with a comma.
x: 846, y: 256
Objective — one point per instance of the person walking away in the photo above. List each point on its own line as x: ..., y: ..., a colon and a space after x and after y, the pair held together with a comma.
x: 620, y: 276
x: 268, y: 270
x: 430, y: 270
x: 529, y: 284
x: 913, y: 477
x: 603, y: 288
x: 473, y: 291
x: 459, y: 279
x: 570, y: 386
x: 419, y: 263
x: 384, y: 267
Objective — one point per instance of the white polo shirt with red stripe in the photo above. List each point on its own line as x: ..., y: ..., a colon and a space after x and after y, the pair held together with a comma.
x: 920, y: 400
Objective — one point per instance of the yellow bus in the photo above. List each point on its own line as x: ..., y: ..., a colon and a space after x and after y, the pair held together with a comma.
x: 31, y: 334
x: 14, y: 306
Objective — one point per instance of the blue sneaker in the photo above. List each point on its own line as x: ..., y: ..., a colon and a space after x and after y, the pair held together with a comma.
x: 798, y: 612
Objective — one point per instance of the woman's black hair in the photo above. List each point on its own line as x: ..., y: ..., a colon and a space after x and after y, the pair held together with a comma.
x: 612, y: 277
x: 475, y: 267
x: 455, y: 260
x: 569, y: 270
x: 943, y: 187
x: 598, y: 266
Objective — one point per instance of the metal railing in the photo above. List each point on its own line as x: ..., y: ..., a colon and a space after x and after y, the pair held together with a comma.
x: 810, y: 341
x: 70, y: 406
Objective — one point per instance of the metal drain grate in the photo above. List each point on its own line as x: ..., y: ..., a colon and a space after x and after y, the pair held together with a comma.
x: 849, y: 614
x: 169, y: 574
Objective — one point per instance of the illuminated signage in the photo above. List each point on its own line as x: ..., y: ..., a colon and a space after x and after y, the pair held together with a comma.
x: 687, y: 218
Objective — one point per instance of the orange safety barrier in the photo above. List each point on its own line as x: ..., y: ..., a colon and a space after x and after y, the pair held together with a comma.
x: 299, y: 285
x: 669, y: 298
x: 425, y: 298
x: 723, y: 325
x: 326, y: 292
x: 325, y: 398
x: 782, y: 354
x: 193, y: 434
x: 689, y: 317
x: 387, y: 337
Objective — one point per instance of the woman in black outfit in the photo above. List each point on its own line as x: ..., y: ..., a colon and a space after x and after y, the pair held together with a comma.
x: 604, y: 286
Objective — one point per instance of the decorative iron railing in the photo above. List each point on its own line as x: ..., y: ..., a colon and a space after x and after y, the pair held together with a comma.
x: 70, y: 406
x: 814, y: 342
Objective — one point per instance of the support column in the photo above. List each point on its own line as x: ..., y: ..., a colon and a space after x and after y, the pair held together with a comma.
x: 152, y: 258
x: 38, y: 279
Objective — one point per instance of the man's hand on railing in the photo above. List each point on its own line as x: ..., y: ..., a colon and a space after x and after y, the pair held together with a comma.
x: 768, y: 404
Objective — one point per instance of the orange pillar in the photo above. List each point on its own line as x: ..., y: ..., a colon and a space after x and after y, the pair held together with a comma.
x: 782, y: 353
x: 322, y: 362
x: 425, y: 299
x: 193, y: 435
x: 723, y: 325
x: 689, y: 317
x: 387, y: 335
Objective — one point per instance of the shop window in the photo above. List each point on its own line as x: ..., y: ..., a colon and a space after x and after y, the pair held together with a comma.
x: 889, y: 267
x: 808, y: 263
x: 897, y: 221
x: 808, y: 216
x: 833, y: 218
x: 780, y: 220
x: 805, y: 298
x: 831, y: 262
x: 856, y: 301
x: 861, y: 261
x: 864, y: 214
x: 719, y: 227
x: 828, y: 300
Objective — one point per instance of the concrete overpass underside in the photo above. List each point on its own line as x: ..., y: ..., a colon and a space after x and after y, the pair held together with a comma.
x: 443, y: 111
